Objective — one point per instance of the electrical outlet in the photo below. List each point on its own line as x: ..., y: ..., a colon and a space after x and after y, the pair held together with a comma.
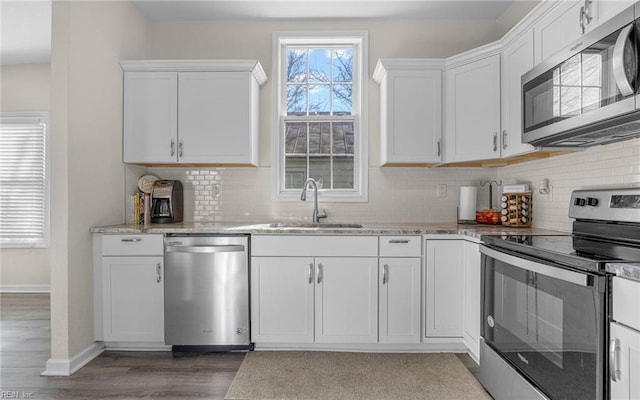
x: 442, y: 190
x: 547, y: 196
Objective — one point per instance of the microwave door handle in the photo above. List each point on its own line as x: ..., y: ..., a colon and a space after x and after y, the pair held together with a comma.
x: 617, y: 62
x: 539, y: 268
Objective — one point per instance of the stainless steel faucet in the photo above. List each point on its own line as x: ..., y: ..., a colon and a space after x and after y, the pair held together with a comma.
x: 316, y: 214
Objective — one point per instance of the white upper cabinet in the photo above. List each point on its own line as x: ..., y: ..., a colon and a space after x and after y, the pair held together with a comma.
x: 557, y: 29
x: 473, y: 110
x: 517, y: 59
x: 192, y: 112
x: 410, y: 110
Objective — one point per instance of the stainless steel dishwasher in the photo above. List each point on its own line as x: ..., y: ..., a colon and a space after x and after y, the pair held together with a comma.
x: 206, y: 291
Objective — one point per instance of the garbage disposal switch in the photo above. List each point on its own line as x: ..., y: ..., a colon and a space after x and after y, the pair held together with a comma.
x: 206, y: 293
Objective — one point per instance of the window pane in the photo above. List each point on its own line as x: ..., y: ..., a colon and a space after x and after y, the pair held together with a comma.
x: 295, y: 172
x: 592, y: 70
x: 343, y: 138
x: 296, y: 100
x: 319, y: 99
x: 296, y: 138
x: 319, y: 65
x: 319, y: 138
x: 570, y: 72
x: 590, y: 99
x: 343, y: 173
x: 570, y: 100
x: 342, y: 100
x: 296, y: 65
x: 343, y: 65
x: 320, y: 170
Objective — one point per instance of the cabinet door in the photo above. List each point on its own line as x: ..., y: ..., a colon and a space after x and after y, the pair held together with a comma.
x: 471, y: 297
x: 216, y: 116
x: 133, y: 302
x: 411, y: 116
x: 473, y: 111
x: 557, y: 29
x: 346, y: 300
x: 282, y: 299
x: 627, y: 361
x: 150, y: 117
x: 443, y: 311
x: 399, y: 309
x: 517, y: 59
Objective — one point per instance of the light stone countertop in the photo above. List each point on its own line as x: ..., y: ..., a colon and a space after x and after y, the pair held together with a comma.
x: 474, y: 231
x: 625, y: 270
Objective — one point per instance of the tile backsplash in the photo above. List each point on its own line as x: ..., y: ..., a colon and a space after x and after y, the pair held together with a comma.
x: 404, y: 194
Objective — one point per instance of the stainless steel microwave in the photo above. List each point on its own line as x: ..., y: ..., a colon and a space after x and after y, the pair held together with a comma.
x: 588, y: 93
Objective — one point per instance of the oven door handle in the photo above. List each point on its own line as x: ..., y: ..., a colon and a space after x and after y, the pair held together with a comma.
x: 539, y: 268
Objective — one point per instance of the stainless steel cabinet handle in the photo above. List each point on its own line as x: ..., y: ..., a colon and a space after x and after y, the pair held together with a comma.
x: 439, y: 149
x: 399, y: 241
x: 504, y: 139
x: 385, y: 274
x: 319, y: 273
x: 495, y: 141
x: 614, y: 361
x: 582, y: 27
x: 173, y: 147
x: 311, y: 273
x: 131, y: 240
x: 158, y: 272
x: 180, y: 149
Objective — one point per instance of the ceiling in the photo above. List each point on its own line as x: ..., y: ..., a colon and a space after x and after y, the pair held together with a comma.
x: 25, y: 30
x: 207, y: 10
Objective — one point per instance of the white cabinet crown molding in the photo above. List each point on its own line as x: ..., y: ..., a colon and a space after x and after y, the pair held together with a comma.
x: 385, y: 64
x: 252, y: 66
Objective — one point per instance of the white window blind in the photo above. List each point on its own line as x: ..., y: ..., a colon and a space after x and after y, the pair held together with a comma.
x: 23, y: 181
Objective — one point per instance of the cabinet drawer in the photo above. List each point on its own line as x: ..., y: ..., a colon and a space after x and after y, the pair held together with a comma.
x: 132, y: 245
x: 400, y: 246
x: 626, y: 297
x: 314, y: 246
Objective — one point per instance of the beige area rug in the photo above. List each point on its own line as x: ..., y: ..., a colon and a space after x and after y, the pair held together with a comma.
x: 336, y: 375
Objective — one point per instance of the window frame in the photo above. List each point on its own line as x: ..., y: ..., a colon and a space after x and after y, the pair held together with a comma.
x: 44, y: 242
x: 359, y: 41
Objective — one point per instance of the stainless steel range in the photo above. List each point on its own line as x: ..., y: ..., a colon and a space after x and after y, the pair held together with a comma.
x: 546, y: 301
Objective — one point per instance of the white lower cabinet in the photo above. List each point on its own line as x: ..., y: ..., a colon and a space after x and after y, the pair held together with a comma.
x: 346, y: 300
x: 399, y: 305
x: 307, y: 299
x: 626, y: 348
x: 443, y: 288
x: 471, y: 281
x: 133, y: 299
x: 282, y: 299
x: 129, y: 289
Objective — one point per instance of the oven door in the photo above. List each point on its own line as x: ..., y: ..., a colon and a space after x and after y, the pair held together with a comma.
x: 548, y: 322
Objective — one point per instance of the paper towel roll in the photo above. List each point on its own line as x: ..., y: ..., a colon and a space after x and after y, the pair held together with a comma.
x: 467, y: 205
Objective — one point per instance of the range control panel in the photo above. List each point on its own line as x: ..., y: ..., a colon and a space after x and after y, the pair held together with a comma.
x: 620, y: 205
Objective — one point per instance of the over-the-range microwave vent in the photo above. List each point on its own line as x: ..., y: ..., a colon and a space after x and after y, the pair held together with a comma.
x: 617, y: 129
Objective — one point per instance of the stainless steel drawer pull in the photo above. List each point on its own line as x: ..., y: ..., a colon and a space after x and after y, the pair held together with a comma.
x: 614, y: 360
x: 399, y: 241
x: 311, y: 273
x: 131, y: 240
x: 158, y: 272
x: 385, y: 274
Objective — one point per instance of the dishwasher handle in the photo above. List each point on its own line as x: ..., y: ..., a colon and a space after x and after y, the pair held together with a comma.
x: 227, y: 248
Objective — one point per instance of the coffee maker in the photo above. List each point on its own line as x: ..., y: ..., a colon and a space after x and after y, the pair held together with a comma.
x: 166, y: 201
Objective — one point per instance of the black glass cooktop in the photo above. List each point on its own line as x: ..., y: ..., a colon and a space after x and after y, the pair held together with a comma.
x: 575, y: 251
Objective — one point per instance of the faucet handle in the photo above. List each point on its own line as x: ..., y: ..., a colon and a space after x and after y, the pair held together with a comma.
x: 322, y: 214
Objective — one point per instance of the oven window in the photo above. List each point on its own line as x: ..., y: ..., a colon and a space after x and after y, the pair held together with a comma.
x: 549, y: 329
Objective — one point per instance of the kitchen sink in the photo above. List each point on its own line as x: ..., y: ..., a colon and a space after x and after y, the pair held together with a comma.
x: 302, y: 225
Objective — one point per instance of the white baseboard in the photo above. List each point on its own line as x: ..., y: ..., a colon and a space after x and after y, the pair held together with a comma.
x: 25, y: 289
x: 67, y: 366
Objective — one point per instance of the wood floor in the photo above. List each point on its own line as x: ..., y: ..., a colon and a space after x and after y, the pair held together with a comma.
x: 25, y: 347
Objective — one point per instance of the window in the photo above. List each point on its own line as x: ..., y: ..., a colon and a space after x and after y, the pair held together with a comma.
x: 319, y: 123
x: 24, y: 194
